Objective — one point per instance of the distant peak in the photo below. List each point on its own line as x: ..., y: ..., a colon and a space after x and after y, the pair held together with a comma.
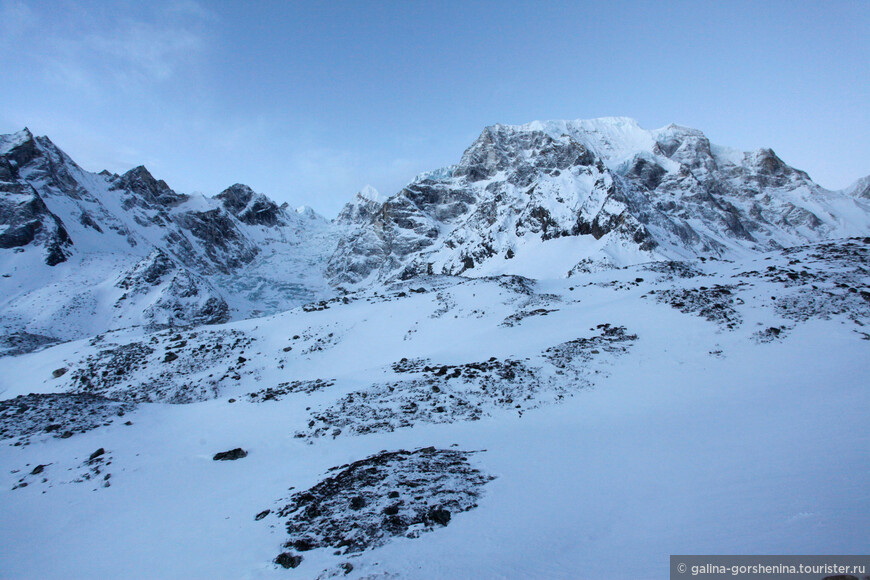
x: 236, y: 197
x: 239, y: 187
x: 369, y: 193
x: 140, y: 171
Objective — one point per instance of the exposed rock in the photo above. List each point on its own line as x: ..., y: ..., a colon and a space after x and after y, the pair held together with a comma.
x: 288, y: 560
x: 230, y: 455
x: 435, y: 483
x: 61, y: 415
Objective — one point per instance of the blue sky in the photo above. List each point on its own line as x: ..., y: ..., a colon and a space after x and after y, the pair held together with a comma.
x: 310, y: 101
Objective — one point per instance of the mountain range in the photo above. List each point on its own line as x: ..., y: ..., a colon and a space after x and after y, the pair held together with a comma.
x: 582, y: 348
x: 84, y: 252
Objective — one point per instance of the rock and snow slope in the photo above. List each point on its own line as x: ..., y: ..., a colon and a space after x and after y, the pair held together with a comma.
x: 458, y: 427
x: 656, y: 346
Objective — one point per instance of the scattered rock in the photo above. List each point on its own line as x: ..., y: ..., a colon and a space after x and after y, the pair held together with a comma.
x: 288, y: 560
x: 230, y: 455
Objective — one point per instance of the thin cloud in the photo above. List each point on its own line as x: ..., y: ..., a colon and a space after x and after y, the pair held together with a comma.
x: 145, y: 50
x: 87, y: 54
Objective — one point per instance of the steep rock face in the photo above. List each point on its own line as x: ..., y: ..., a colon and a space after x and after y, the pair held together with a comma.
x: 225, y: 247
x: 170, y: 294
x: 26, y: 220
x: 595, y: 193
x: 24, y: 217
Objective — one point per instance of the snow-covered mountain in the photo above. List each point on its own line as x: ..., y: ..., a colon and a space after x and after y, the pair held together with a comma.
x: 82, y: 253
x: 583, y: 348
x: 560, y: 197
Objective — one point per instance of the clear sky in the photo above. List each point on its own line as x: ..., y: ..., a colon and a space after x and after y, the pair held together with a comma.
x: 309, y: 101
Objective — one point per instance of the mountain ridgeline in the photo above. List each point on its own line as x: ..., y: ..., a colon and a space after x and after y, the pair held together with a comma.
x: 82, y: 252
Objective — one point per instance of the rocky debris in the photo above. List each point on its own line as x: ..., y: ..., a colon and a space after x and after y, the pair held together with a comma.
x: 189, y: 368
x: 821, y: 281
x: 321, y: 342
x: 619, y: 284
x: 390, y: 494
x: 517, y: 317
x: 27, y: 417
x: 110, y: 367
x: 674, y: 269
x: 230, y: 455
x: 716, y: 303
x: 576, y: 354
x: 284, y: 389
x: 769, y: 334
x: 406, y: 365
x: 443, y: 394
x: 448, y: 393
x: 17, y: 343
x: 94, y: 467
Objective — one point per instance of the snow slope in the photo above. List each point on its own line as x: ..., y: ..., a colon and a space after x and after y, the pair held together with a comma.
x: 579, y: 428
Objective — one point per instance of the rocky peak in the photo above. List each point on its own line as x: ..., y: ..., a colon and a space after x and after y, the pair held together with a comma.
x: 503, y: 148
x: 361, y: 208
x: 19, y: 148
x: 140, y: 182
x: 250, y: 207
x: 682, y: 144
x: 236, y: 197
